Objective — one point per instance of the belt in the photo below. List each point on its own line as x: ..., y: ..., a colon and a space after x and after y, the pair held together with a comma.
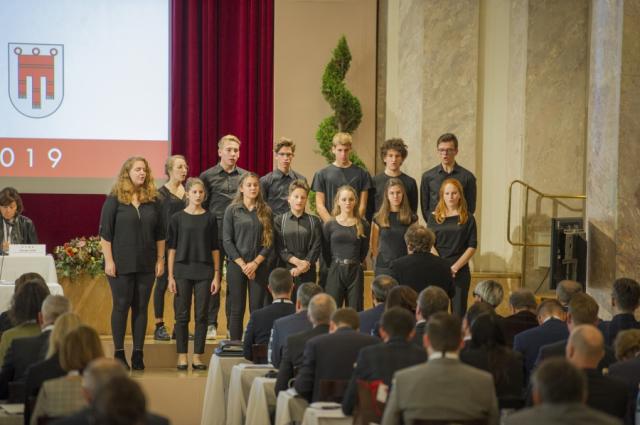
x: 345, y: 261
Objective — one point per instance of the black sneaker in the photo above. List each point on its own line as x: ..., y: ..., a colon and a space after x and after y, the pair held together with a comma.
x: 161, y: 334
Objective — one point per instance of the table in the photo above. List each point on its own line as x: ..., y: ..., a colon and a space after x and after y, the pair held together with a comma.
x: 216, y: 389
x: 325, y: 413
x: 262, y: 400
x: 13, y: 266
x: 290, y: 407
x: 242, y: 377
x: 11, y: 414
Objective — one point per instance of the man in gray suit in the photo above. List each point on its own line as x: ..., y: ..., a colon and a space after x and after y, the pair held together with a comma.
x: 559, y: 396
x: 442, y: 388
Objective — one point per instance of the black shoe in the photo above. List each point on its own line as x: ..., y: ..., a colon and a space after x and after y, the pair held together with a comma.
x: 183, y: 366
x: 119, y: 355
x: 161, y: 334
x: 137, y: 362
x: 199, y: 366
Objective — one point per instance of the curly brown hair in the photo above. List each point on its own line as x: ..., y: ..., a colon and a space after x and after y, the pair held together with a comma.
x: 124, y: 188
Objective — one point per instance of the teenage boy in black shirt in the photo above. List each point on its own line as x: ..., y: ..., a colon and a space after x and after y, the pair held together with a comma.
x: 393, y: 152
x: 275, y: 185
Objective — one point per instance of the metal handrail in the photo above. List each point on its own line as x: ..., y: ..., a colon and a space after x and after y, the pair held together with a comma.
x: 524, y: 244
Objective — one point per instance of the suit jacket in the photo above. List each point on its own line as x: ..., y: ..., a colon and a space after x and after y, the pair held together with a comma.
x: 329, y: 357
x: 516, y: 323
x: 83, y: 417
x: 510, y: 385
x: 628, y: 371
x: 22, y: 353
x: 20, y: 331
x: 381, y: 361
x: 282, y: 329
x: 619, y: 322
x: 607, y: 394
x: 59, y: 397
x: 528, y: 343
x: 292, y: 355
x: 420, y: 327
x: 561, y: 414
x: 559, y: 349
x: 442, y: 388
x: 260, y: 324
x: 370, y: 318
x: 423, y: 269
x: 36, y: 375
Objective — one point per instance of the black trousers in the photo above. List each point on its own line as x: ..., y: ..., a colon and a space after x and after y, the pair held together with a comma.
x: 462, y: 281
x: 214, y: 300
x: 130, y: 291
x: 159, y: 290
x: 308, y: 276
x: 199, y: 291
x: 237, y: 284
x: 345, y: 282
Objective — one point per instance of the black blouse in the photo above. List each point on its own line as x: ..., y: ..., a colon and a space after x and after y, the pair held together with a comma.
x: 341, y: 242
x: 21, y: 231
x: 391, y: 244
x: 453, y: 239
x: 171, y: 204
x: 194, y: 237
x: 242, y: 234
x: 133, y: 233
x: 299, y: 237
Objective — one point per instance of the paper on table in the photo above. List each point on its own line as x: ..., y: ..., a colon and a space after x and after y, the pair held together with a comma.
x: 13, y: 409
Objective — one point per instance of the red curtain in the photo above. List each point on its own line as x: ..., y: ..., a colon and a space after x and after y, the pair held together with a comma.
x: 222, y: 73
x: 221, y: 82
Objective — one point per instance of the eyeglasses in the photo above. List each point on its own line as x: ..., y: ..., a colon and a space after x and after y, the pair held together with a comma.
x: 446, y: 151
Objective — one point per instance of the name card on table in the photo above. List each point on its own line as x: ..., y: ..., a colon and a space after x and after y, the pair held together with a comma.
x: 27, y: 250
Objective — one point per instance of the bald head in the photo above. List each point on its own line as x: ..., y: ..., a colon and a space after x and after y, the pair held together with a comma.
x: 321, y: 308
x: 99, y: 372
x: 585, y: 347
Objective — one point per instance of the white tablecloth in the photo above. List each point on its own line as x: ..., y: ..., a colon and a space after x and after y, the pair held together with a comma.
x: 242, y: 377
x: 262, y: 399
x: 325, y: 413
x: 13, y: 266
x: 289, y: 408
x: 6, y: 292
x: 216, y: 389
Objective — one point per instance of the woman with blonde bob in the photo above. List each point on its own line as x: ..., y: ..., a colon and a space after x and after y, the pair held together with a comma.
x: 346, y: 246
x: 247, y: 235
x: 389, y: 225
x: 132, y: 236
x: 456, y: 238
x: 63, y: 396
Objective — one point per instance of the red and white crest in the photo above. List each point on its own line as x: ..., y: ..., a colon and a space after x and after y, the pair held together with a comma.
x: 36, y: 78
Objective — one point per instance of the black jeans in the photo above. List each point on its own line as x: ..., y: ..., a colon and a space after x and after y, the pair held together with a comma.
x: 159, y: 290
x: 346, y: 282
x: 237, y: 284
x: 462, y: 281
x: 214, y: 300
x: 199, y: 290
x: 306, y: 277
x: 130, y: 291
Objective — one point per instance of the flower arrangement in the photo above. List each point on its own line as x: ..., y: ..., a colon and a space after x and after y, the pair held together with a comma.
x: 80, y: 255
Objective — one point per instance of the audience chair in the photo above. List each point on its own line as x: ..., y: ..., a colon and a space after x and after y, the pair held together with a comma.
x: 16, y: 392
x: 369, y: 409
x: 333, y: 389
x: 259, y: 353
x: 483, y: 421
x: 46, y: 420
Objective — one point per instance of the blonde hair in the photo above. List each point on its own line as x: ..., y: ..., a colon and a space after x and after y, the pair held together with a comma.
x: 342, y: 139
x: 356, y: 211
x: 194, y: 181
x: 79, y: 348
x: 440, y: 212
x: 64, y: 324
x: 124, y: 188
x: 228, y: 138
x: 263, y: 211
x: 405, y: 215
x: 170, y: 162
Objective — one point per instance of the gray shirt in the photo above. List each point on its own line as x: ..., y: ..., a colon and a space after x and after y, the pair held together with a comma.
x: 275, y: 189
x: 221, y: 187
x: 299, y: 237
x: 242, y: 234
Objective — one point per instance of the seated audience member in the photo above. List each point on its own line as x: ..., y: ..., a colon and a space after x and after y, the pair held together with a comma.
x: 627, y: 369
x: 583, y: 310
x: 62, y: 396
x: 567, y: 289
x: 321, y: 308
x: 5, y: 320
x: 96, y: 376
x: 380, y: 288
x: 292, y: 324
x: 585, y: 349
x: 50, y: 367
x: 431, y: 300
x: 25, y: 307
x: 552, y: 328
x: 625, y: 298
x: 23, y: 352
x: 488, y: 351
x: 332, y: 356
x: 523, y: 305
x: 476, y: 310
x: 443, y: 388
x: 120, y: 401
x: 559, y: 395
x: 421, y: 268
x: 402, y: 296
x: 490, y: 292
x: 261, y: 321
x: 381, y: 361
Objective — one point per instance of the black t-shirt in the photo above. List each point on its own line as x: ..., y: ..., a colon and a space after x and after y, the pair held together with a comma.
x: 171, y: 204
x: 133, y: 233
x: 391, y: 244
x: 341, y: 242
x: 193, y: 236
x: 453, y: 239
x: 410, y: 186
x: 329, y: 179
